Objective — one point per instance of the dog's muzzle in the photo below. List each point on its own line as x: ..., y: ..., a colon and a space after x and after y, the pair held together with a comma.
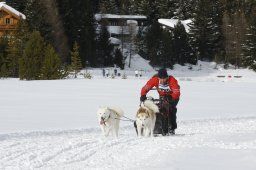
x: 102, y: 121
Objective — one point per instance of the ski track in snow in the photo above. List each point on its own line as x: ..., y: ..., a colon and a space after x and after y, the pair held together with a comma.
x: 77, y: 149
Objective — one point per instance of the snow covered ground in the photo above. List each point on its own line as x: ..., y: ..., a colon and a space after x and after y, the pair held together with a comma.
x: 52, y: 125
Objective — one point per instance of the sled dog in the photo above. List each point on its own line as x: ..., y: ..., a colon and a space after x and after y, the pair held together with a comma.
x: 146, y: 118
x: 109, y: 118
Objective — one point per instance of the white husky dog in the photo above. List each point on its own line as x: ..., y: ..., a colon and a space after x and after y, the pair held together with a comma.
x: 146, y: 118
x: 109, y: 118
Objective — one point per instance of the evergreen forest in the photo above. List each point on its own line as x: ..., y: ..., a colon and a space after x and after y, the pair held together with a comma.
x: 63, y: 36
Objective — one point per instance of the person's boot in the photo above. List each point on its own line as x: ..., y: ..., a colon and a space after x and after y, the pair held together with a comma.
x: 171, y: 131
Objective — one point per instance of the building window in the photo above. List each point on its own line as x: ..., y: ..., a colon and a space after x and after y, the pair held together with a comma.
x: 7, y: 21
x: 113, y: 23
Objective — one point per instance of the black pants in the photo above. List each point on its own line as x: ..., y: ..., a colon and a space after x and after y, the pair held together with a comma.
x: 173, y: 114
x: 168, y: 116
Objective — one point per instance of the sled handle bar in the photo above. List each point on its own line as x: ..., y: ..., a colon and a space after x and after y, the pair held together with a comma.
x: 155, y: 100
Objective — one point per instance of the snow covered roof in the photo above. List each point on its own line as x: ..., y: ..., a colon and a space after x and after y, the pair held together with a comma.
x: 115, y: 41
x: 172, y: 22
x: 132, y: 22
x: 118, y: 30
x: 4, y: 6
x: 114, y: 16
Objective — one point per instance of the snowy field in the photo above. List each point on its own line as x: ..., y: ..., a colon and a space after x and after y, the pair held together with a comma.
x: 52, y: 125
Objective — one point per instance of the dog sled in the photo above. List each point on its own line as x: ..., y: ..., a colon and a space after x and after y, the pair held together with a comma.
x: 162, y: 117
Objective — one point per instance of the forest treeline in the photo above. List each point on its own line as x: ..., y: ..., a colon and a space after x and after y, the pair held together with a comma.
x: 61, y: 35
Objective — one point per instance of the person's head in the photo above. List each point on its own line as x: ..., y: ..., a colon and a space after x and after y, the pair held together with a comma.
x: 163, y: 75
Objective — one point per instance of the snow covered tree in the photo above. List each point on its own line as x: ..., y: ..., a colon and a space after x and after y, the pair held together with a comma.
x: 76, y: 64
x: 150, y: 8
x: 205, y: 29
x: 183, y: 8
x: 181, y: 48
x: 249, y: 47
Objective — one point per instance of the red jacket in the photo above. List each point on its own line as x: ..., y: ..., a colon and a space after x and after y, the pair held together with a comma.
x: 172, y: 88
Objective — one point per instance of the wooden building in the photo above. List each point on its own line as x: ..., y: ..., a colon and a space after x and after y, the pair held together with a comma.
x: 9, y: 18
x: 122, y: 27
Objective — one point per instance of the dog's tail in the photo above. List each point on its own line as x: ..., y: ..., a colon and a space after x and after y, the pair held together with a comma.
x: 151, y: 105
x: 117, y: 110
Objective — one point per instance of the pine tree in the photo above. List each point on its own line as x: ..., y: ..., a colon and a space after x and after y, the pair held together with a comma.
x: 4, y: 73
x: 85, y: 31
x: 181, y: 47
x: 119, y: 58
x: 15, y: 48
x: 139, y: 41
x: 238, y: 19
x: 149, y: 8
x: 167, y: 9
x: 205, y: 29
x: 153, y: 37
x: 166, y: 50
x: 184, y: 8
x: 31, y: 61
x: 51, y: 66
x: 3, y: 56
x: 13, y: 55
x: 22, y: 33
x: 76, y: 64
x: 19, y: 5
x: 140, y: 7
x: 56, y: 36
x: 105, y: 48
x: 249, y: 47
x: 36, y: 18
x: 109, y: 7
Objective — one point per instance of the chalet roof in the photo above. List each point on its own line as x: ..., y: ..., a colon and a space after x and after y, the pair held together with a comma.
x: 172, y: 22
x: 4, y: 6
x: 115, y: 41
x: 114, y: 16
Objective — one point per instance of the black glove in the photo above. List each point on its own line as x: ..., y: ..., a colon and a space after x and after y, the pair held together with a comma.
x: 143, y: 98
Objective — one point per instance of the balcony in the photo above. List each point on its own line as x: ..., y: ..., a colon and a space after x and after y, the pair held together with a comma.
x: 7, y: 27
